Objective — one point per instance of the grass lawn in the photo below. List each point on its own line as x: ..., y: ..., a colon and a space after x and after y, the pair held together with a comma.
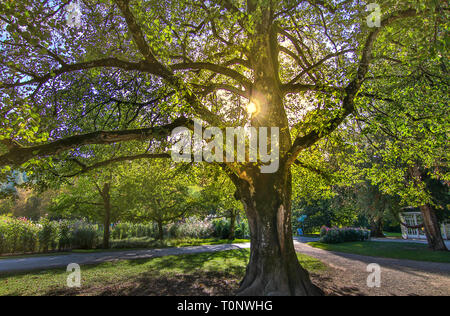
x: 168, y: 243
x: 395, y: 250
x: 198, y: 274
x: 396, y: 235
x: 139, y: 244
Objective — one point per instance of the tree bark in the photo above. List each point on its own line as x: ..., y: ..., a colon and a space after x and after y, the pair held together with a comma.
x: 432, y: 229
x: 231, y: 235
x: 377, y: 228
x: 107, y: 219
x: 274, y: 268
x: 430, y: 220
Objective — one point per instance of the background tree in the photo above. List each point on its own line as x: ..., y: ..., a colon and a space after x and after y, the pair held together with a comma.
x: 217, y: 197
x: 407, y: 155
x: 158, y: 192
x: 138, y: 69
x: 94, y: 196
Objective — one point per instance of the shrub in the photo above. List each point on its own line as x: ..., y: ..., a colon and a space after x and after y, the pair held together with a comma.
x: 84, y: 235
x: 131, y: 230
x: 17, y: 235
x: 64, y: 235
x: 222, y: 229
x: 134, y: 242
x: 48, y: 234
x: 341, y: 235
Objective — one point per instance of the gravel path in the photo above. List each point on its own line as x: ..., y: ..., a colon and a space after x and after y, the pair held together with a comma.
x: 348, y: 274
x: 48, y: 262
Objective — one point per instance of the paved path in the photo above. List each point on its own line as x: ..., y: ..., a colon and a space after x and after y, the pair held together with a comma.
x: 398, y: 277
x: 414, y: 241
x: 48, y: 262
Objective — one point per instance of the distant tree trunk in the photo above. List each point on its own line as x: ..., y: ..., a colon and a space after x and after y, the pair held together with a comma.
x: 231, y: 235
x: 430, y: 220
x: 107, y: 219
x: 377, y: 228
x: 160, y: 230
x: 432, y: 229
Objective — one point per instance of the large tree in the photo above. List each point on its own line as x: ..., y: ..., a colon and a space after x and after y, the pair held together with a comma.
x: 132, y: 71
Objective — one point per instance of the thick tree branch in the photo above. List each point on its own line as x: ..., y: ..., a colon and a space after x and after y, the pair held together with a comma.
x: 214, y: 68
x: 18, y: 155
x: 85, y: 168
x: 136, y: 32
x: 104, y: 62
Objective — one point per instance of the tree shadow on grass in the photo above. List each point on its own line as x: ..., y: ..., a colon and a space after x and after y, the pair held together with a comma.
x: 230, y: 261
x: 197, y: 274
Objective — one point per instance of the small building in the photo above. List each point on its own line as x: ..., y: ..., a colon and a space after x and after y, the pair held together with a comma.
x: 414, y: 219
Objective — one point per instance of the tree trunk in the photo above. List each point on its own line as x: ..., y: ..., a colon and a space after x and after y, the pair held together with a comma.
x: 231, y: 235
x: 377, y: 228
x: 273, y: 268
x: 430, y: 220
x: 160, y: 230
x: 432, y: 229
x: 107, y: 219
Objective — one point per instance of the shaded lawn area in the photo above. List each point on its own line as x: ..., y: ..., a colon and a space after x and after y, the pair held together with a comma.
x: 395, y: 250
x: 168, y: 243
x: 139, y: 244
x: 216, y: 273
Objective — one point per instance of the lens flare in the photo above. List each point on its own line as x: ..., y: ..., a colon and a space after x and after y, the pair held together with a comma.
x: 252, y: 108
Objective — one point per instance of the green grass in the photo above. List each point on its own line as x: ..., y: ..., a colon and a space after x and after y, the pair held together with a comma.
x: 168, y: 243
x: 232, y: 263
x: 395, y: 250
x: 139, y: 244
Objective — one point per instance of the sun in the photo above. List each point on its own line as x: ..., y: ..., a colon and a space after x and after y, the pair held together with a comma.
x: 251, y: 108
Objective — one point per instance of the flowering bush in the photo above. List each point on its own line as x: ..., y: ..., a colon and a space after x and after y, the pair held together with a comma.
x: 340, y: 235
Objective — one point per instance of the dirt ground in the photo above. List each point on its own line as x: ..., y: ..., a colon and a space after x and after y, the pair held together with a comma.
x: 347, y: 275
x: 334, y: 282
x: 205, y: 284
